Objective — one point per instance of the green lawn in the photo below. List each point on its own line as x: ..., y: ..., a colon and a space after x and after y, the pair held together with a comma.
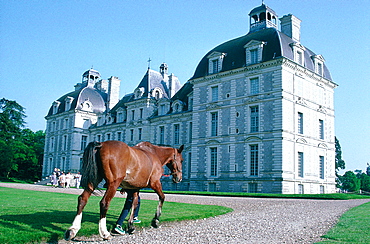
x: 34, y: 216
x: 353, y: 227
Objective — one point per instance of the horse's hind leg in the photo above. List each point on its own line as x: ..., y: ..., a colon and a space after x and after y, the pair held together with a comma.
x: 158, y: 189
x: 76, y: 225
x: 130, y: 225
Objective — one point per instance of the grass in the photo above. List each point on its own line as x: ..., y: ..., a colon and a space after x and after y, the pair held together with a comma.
x: 353, y: 227
x: 34, y: 216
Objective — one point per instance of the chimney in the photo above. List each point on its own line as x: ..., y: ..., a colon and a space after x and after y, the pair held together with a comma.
x: 291, y: 26
x: 113, y: 91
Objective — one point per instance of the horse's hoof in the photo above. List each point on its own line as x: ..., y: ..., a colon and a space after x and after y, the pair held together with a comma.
x: 131, y: 231
x: 155, y: 223
x: 69, y: 235
x: 107, y: 238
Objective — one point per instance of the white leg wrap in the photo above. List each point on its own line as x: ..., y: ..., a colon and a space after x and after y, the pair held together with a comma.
x: 104, y: 233
x: 76, y: 226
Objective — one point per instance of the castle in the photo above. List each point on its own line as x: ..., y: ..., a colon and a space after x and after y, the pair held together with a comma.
x: 257, y: 116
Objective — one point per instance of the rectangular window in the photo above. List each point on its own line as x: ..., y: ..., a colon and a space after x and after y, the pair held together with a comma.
x: 120, y: 117
x: 65, y: 142
x: 300, y: 57
x: 83, y: 142
x: 319, y: 68
x: 189, y: 165
x: 132, y: 114
x: 161, y: 135
x: 322, y: 190
x: 108, y: 137
x: 254, y: 160
x: 252, y: 187
x: 321, y: 129
x: 211, y: 187
x: 52, y: 144
x: 322, y: 167
x: 119, y: 136
x: 300, y: 123
x: 141, y: 113
x: 65, y: 123
x: 176, y: 135
x: 214, y: 93
x: 215, y: 66
x: 254, y: 56
x: 300, y: 189
x: 140, y: 133
x: 213, y: 169
x: 99, y: 137
x: 254, y: 119
x: 163, y: 109
x: 254, y: 89
x: 300, y: 164
x: 190, y: 131
x: 131, y: 134
x: 214, y: 124
x: 63, y: 166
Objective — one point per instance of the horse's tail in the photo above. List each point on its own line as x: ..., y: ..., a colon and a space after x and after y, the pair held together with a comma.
x: 91, y: 176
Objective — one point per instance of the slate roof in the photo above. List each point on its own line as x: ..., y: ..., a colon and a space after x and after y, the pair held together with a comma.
x: 277, y: 45
x: 151, y: 80
x: 97, y: 99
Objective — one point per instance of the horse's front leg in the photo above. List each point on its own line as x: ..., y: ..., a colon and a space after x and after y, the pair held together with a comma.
x: 130, y: 222
x: 158, y: 189
x: 76, y: 225
x: 104, y: 205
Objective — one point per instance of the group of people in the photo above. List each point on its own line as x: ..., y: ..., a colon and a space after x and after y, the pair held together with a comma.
x: 59, y: 178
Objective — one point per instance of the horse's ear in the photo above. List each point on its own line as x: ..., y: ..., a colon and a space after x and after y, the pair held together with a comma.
x: 180, y: 149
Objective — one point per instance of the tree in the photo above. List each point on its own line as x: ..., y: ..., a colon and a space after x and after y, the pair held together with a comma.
x: 364, y: 181
x: 20, y: 149
x: 350, y: 182
x: 368, y: 169
x: 339, y: 162
x: 12, y: 117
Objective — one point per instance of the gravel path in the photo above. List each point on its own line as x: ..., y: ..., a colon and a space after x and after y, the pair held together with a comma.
x: 254, y: 220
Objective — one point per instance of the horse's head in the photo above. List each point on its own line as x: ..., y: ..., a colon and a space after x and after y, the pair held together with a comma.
x: 175, y: 165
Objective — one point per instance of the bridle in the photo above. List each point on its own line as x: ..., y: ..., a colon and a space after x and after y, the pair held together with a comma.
x: 174, y: 161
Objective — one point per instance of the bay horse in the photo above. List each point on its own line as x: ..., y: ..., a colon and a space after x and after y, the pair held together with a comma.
x: 118, y: 164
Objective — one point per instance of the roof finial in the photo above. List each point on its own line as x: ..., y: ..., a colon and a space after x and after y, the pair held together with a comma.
x: 149, y: 60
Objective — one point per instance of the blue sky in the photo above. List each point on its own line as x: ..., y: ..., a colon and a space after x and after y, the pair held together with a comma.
x: 45, y: 47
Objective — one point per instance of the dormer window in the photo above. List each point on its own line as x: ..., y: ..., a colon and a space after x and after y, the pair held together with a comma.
x: 55, y: 107
x: 319, y: 64
x: 87, y: 106
x: 215, y: 62
x: 121, y: 115
x: 68, y: 102
x: 298, y: 52
x: 163, y: 107
x: 254, y: 56
x: 177, y: 106
x: 139, y: 92
x: 253, y: 52
x: 157, y: 93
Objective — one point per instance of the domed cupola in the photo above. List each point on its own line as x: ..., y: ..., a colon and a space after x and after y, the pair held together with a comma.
x: 262, y: 17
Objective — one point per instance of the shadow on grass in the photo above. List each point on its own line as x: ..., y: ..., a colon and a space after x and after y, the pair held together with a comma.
x: 47, y: 226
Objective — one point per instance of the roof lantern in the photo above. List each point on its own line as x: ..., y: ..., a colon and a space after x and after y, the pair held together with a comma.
x: 90, y: 76
x: 262, y: 17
